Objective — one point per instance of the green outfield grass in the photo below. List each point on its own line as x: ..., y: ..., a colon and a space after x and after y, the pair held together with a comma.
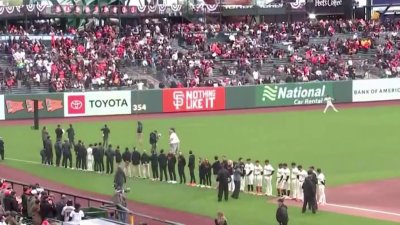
x: 354, y: 145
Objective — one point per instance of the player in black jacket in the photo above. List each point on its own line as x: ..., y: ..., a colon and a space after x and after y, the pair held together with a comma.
x: 171, y: 159
x: 153, y: 140
x: 118, y: 156
x: 136, y: 163
x: 126, y: 156
x: 145, y: 160
x: 101, y: 157
x: 154, y: 165
x: 96, y: 156
x: 191, y: 165
x: 181, y: 168
x: 162, y: 162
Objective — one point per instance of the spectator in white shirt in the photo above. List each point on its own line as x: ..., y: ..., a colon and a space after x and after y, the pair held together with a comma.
x: 77, y: 215
x: 173, y: 141
x: 66, y: 211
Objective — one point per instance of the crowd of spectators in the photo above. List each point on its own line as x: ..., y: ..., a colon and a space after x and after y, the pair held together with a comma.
x: 92, y: 57
x: 35, y: 206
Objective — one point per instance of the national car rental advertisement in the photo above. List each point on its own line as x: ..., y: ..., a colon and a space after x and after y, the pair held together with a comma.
x: 193, y: 99
x: 97, y: 103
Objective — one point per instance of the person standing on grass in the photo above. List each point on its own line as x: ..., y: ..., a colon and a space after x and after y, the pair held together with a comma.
x: 249, y: 168
x: 139, y: 133
x: 294, y: 182
x: 329, y: 104
x: 309, y: 193
x: 145, y: 168
x: 242, y: 167
x: 1, y: 148
x: 126, y: 157
x: 267, y: 173
x: 162, y: 162
x: 224, y: 179
x: 106, y: 133
x: 171, y: 161
x: 118, y: 157
x: 181, y: 168
x: 58, y: 150
x: 154, y: 136
x: 78, y: 154
x: 96, y: 156
x: 321, y: 187
x: 208, y: 173
x: 282, y: 213
x: 135, y: 163
x: 59, y: 132
x: 174, y: 141
x: 49, y: 151
x: 45, y: 134
x: 101, y: 157
x: 110, y: 160
x: 258, y: 177
x: 191, y: 165
x: 83, y: 156
x: 90, y: 158
x: 154, y: 165
x: 216, y: 166
x: 71, y: 135
x: 67, y: 155
x: 237, y: 174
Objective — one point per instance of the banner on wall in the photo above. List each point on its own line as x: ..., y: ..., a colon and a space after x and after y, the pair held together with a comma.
x: 21, y: 106
x: 376, y: 90
x: 193, y: 99
x: 97, y: 103
x: 293, y: 94
x: 2, y: 112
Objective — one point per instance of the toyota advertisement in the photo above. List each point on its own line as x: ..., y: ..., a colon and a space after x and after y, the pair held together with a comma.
x: 97, y: 103
x: 193, y: 99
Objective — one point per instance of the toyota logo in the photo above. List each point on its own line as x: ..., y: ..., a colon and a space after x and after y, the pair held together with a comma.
x: 76, y: 104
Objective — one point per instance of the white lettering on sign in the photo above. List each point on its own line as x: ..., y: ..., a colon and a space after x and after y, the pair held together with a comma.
x: 179, y: 97
x: 194, y: 99
x: 328, y: 3
x: 108, y: 103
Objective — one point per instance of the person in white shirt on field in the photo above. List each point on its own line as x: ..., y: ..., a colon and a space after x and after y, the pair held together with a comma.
x: 302, y: 176
x: 329, y: 104
x: 321, y: 187
x: 173, y: 141
x: 285, y: 185
x: 258, y: 177
x: 294, y: 181
x: 279, y: 179
x: 249, y: 168
x: 268, y: 172
x: 89, y: 158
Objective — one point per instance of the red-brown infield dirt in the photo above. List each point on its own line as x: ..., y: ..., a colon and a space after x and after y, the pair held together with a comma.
x: 377, y: 199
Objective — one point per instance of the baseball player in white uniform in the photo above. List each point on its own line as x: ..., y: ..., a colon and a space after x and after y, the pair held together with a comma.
x: 258, y: 177
x: 286, y: 180
x: 329, y: 104
x: 302, y: 176
x: 249, y: 168
x: 89, y: 158
x: 268, y: 172
x: 279, y: 178
x: 321, y: 187
x: 294, y: 182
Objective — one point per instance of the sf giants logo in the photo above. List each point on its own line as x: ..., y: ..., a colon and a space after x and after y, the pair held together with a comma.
x: 179, y: 99
x: 298, y: 4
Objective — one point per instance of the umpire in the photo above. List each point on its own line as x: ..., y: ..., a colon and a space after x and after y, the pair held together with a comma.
x: 224, y: 179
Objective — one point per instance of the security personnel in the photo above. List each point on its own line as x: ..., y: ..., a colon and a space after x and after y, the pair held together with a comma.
x: 135, y: 163
x: 78, y: 154
x: 101, y: 157
x: 309, y: 192
x: 96, y: 156
x: 67, y: 155
x: 191, y: 165
x: 154, y: 165
x: 110, y: 160
x: 181, y: 168
x: 171, y: 159
x: 1, y: 148
x: 153, y: 140
x: 71, y: 135
x: 224, y: 179
x: 118, y: 157
x: 58, y: 150
x: 126, y: 157
x: 145, y: 168
x: 49, y: 151
x: 162, y: 162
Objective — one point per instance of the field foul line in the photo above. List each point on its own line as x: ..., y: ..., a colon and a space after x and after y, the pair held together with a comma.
x: 328, y: 204
x: 364, y: 209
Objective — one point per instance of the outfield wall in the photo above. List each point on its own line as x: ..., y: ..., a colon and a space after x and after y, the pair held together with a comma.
x: 101, y: 103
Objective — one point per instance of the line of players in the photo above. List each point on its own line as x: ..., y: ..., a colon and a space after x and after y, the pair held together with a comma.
x: 289, y: 181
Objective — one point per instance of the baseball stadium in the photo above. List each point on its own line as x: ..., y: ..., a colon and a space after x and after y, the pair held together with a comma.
x: 199, y: 112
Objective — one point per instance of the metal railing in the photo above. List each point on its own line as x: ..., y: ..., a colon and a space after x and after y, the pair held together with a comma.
x: 108, y: 206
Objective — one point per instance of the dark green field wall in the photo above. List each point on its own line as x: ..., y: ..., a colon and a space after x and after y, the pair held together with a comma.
x: 240, y: 97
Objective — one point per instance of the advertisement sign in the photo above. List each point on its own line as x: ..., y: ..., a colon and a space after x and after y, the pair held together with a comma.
x: 193, y: 99
x: 293, y: 94
x: 21, y: 106
x: 97, y: 103
x: 2, y: 113
x: 328, y: 7
x: 384, y: 2
x: 149, y: 101
x: 376, y: 90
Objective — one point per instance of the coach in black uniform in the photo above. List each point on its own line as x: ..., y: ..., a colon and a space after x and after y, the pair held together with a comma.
x: 118, y: 156
x: 126, y: 157
x: 110, y: 160
x: 101, y: 157
x: 162, y: 162
x: 224, y: 179
x: 58, y: 150
x: 49, y: 151
x: 78, y: 154
x: 96, y: 156
x: 191, y: 165
x: 181, y: 168
x: 71, y: 135
x: 145, y: 160
x: 136, y: 162
x: 59, y: 132
x: 83, y: 155
x: 154, y: 165
x: 309, y: 191
x: 153, y: 140
x: 171, y: 159
x: 67, y: 155
x: 216, y: 166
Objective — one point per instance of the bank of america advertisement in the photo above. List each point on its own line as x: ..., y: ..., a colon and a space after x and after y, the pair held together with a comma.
x: 376, y: 90
x: 97, y: 103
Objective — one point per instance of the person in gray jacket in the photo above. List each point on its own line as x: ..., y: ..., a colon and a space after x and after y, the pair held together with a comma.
x: 237, y: 173
x: 119, y: 179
